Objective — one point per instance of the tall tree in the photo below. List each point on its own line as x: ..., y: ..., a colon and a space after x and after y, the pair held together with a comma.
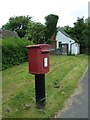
x: 36, y: 32
x: 80, y: 32
x: 88, y: 32
x: 51, y: 23
x: 18, y: 24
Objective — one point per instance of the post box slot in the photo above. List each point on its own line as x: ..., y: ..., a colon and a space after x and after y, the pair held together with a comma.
x: 45, y: 51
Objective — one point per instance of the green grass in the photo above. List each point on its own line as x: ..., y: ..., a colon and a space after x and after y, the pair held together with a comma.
x: 0, y: 77
x: 19, y: 90
x: 0, y: 41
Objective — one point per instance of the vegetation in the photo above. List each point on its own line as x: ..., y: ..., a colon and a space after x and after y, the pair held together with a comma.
x: 14, y: 51
x: 36, y: 32
x: 51, y: 24
x: 89, y: 35
x: 40, y: 33
x: 0, y: 54
x: 19, y: 90
x: 18, y: 84
x: 18, y: 24
x: 80, y: 33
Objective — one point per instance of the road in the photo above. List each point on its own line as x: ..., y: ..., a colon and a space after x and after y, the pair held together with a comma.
x: 77, y: 105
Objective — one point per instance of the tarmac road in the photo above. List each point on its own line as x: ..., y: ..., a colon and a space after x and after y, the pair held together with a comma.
x: 77, y: 105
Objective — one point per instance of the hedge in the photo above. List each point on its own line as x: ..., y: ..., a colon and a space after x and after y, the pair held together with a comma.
x: 14, y: 51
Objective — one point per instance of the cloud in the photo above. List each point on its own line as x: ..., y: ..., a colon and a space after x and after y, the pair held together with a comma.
x: 67, y: 10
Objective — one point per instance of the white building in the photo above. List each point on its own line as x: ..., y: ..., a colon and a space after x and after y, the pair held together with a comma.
x: 64, y: 44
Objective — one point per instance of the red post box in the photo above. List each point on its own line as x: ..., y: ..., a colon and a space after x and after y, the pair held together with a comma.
x: 38, y: 58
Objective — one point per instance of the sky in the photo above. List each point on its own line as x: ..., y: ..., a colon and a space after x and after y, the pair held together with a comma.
x: 89, y: 9
x: 67, y: 10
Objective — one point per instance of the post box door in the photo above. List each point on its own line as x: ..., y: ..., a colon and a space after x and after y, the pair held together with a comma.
x: 38, y: 58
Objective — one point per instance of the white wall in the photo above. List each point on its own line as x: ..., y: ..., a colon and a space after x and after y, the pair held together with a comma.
x: 75, y: 48
x: 60, y: 37
x: 78, y: 48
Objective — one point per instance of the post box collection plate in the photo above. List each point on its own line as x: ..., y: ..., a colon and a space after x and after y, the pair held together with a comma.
x: 45, y: 62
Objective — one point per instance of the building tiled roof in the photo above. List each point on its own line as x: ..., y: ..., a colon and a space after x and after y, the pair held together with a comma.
x: 62, y: 31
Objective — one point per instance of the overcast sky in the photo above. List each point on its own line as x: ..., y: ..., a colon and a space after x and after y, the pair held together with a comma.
x: 67, y: 10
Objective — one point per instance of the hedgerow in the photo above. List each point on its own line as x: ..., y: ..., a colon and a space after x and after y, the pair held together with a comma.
x: 14, y: 51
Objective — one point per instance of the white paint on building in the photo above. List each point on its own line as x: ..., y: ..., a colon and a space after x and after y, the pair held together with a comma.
x: 63, y: 39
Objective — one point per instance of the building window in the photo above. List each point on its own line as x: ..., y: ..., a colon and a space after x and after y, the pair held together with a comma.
x: 60, y: 45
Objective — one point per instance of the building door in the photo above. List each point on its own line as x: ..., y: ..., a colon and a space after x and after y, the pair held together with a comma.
x: 64, y: 48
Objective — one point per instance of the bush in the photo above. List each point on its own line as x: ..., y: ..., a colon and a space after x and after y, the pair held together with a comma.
x: 14, y: 51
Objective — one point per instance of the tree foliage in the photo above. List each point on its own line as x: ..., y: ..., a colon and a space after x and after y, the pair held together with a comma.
x: 36, y: 32
x: 14, y: 51
x: 40, y: 33
x: 18, y: 24
x: 51, y: 23
x: 69, y: 30
x: 80, y: 33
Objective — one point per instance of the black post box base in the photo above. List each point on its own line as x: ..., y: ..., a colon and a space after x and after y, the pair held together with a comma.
x: 40, y: 90
x: 40, y: 104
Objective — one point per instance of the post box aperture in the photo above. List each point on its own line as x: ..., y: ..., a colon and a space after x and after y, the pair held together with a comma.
x: 38, y: 58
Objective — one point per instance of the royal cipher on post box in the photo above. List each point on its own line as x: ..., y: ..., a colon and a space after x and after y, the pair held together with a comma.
x: 38, y: 58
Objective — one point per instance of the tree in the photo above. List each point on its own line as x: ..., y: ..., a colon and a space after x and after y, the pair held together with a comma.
x: 89, y: 34
x: 36, y: 32
x: 69, y: 30
x: 79, y: 33
x: 51, y: 23
x: 18, y: 24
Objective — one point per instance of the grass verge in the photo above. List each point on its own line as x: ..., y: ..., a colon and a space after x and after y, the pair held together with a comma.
x: 19, y: 90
